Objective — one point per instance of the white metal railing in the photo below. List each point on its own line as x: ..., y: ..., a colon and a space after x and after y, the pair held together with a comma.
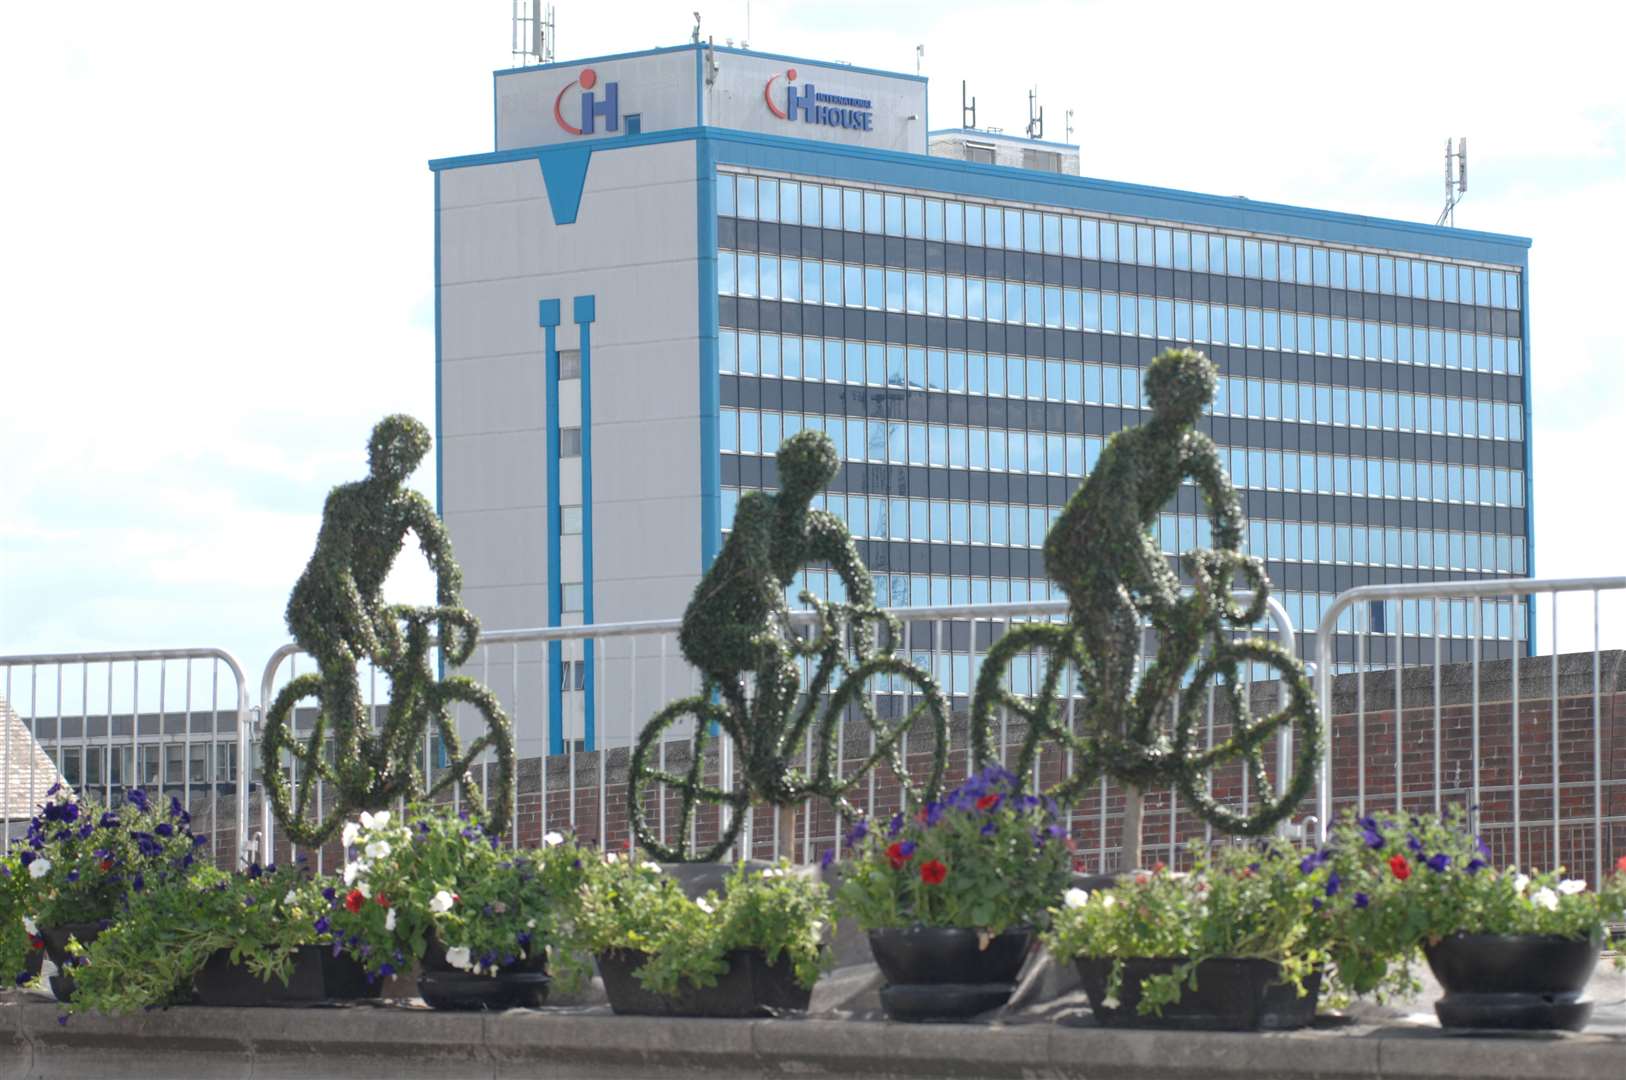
x: 502, y: 654
x: 63, y: 701
x: 1478, y: 593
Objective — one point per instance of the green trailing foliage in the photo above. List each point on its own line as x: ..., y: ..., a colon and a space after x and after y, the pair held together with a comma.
x: 337, y: 614
x: 1103, y: 554
x: 736, y: 631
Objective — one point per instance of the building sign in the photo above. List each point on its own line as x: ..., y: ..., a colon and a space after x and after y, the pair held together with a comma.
x: 593, y: 108
x: 813, y: 107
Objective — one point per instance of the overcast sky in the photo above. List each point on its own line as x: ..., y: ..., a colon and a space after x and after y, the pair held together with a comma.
x: 216, y: 263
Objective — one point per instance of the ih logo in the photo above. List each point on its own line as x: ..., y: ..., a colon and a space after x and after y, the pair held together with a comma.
x: 830, y: 110
x: 593, y: 109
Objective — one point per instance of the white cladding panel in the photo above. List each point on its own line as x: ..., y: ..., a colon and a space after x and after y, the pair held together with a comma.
x: 746, y: 84
x: 659, y: 89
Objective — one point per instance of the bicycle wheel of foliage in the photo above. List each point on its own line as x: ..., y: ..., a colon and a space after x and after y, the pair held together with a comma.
x: 645, y: 778
x: 916, y: 697
x: 1044, y: 713
x: 461, y: 690
x: 1246, y: 744
x: 291, y: 803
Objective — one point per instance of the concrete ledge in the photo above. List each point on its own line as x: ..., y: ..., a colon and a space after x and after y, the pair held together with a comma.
x: 405, y: 1041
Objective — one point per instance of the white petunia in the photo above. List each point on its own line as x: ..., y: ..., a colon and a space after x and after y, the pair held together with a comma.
x: 353, y: 871
x: 292, y: 897
x: 553, y: 839
x: 32, y: 927
x: 704, y: 905
x: 1108, y: 900
x: 378, y: 849
x: 530, y: 924
x: 39, y: 867
x: 1571, y: 886
x: 612, y: 858
x: 389, y: 921
x: 374, y: 821
x: 1521, y: 882
x: 351, y: 831
x: 442, y: 902
x: 1545, y: 898
x: 364, y: 890
x: 458, y: 957
x: 652, y: 867
x: 1076, y: 898
x: 773, y: 871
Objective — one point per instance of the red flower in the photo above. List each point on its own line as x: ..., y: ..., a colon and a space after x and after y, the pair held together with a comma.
x: 933, y: 872
x: 106, y: 865
x: 1620, y: 864
x: 987, y: 802
x: 353, y: 901
x: 897, y: 854
x: 35, y: 941
x: 1399, y: 867
x: 1159, y: 867
x: 382, y: 900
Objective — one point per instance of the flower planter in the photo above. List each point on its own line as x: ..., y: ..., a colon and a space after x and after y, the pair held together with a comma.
x: 522, y: 985
x: 317, y: 975
x: 1525, y: 982
x: 940, y: 973
x: 56, y: 947
x: 750, y: 987
x: 1231, y: 995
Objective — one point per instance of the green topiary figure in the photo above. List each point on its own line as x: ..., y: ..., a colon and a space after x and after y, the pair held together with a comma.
x: 737, y: 628
x: 1103, y: 554
x: 337, y: 614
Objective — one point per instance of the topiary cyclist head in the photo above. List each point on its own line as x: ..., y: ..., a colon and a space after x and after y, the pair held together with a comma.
x: 1179, y: 386
x: 807, y: 463
x: 396, y: 447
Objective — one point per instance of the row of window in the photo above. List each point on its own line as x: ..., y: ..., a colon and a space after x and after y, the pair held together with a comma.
x: 918, y: 217
x: 171, y: 763
x: 1071, y: 382
x: 950, y: 521
x: 911, y: 292
x: 896, y: 442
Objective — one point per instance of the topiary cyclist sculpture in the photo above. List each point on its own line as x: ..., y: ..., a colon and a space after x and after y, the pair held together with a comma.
x: 736, y: 631
x: 1105, y: 558
x: 337, y: 614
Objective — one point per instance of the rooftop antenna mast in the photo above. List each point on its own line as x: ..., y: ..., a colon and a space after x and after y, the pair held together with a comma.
x: 1069, y: 138
x: 696, y: 36
x: 920, y: 52
x: 968, y: 110
x: 1035, y: 119
x: 1455, y: 186
x: 533, y: 33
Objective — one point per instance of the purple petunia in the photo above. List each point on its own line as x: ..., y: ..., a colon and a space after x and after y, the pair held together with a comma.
x: 894, y: 826
x: 1438, y: 863
x: 137, y: 798
x: 321, y: 925
x: 1475, y: 866
x: 1334, y: 883
x: 906, y: 848
x: 859, y: 830
x: 1361, y: 900
x: 988, y: 828
x: 827, y: 858
x: 164, y: 829
x: 1311, y: 862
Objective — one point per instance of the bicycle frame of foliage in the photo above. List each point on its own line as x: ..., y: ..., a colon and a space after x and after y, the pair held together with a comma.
x: 444, y: 874
x: 737, y: 626
x: 1409, y: 880
x: 984, y: 858
x: 337, y: 614
x: 151, y: 954
x: 1241, y: 903
x: 629, y: 904
x: 1103, y: 555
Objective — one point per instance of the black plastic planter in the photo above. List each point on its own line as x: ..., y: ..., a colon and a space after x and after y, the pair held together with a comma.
x: 56, y: 947
x: 317, y: 976
x: 750, y: 987
x: 941, y: 973
x: 1231, y: 995
x: 1519, y: 982
x: 521, y: 985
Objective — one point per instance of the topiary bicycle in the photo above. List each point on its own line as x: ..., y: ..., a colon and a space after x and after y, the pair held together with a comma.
x: 387, y: 763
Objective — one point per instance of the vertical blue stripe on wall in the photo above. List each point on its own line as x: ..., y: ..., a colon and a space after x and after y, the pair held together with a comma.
x: 548, y: 317
x: 584, y: 313
x: 1529, y: 474
x: 711, y: 461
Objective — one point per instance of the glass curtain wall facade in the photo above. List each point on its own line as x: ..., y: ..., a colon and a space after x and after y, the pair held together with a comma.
x: 970, y: 358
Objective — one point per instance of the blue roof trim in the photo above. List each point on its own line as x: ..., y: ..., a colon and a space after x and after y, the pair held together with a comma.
x: 1083, y: 194
x: 1000, y: 136
x: 832, y: 64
